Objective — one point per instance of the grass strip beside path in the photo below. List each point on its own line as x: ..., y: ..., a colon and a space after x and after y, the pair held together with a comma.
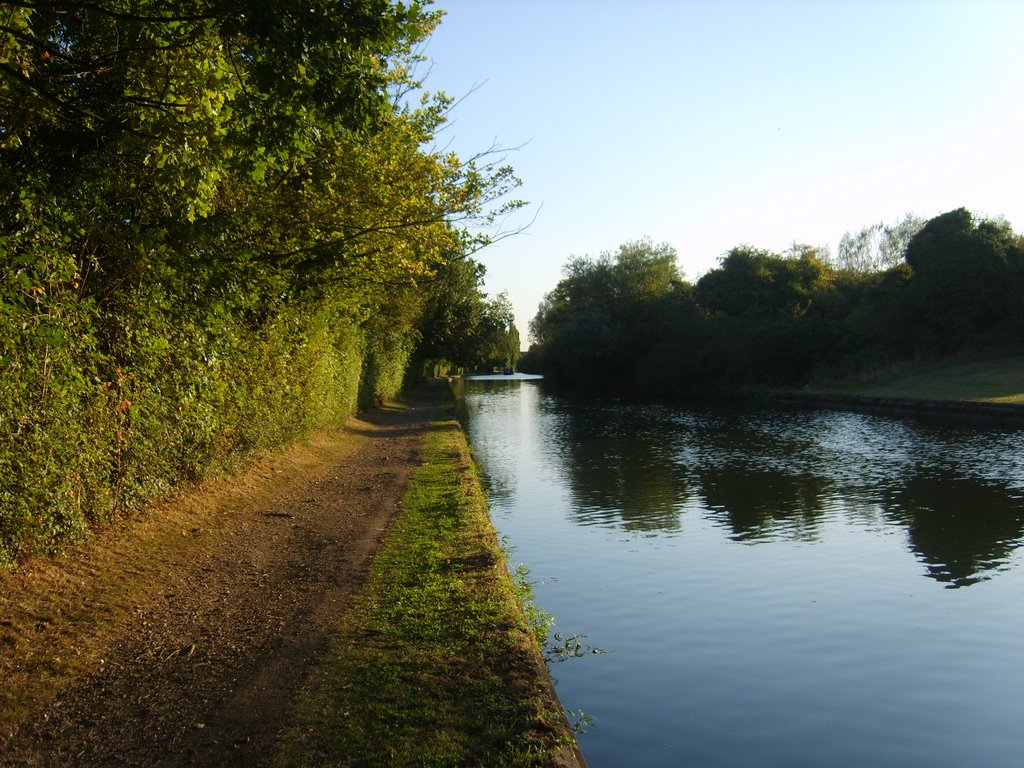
x: 436, y: 665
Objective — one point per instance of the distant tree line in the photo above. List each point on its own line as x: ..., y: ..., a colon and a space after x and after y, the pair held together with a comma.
x: 222, y: 224
x: 629, y: 321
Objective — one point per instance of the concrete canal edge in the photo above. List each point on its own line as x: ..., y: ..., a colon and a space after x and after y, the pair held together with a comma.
x: 569, y: 754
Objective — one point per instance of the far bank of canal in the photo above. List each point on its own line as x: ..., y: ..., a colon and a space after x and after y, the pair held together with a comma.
x: 808, y: 586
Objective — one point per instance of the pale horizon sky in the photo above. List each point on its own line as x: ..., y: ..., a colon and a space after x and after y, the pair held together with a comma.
x: 707, y: 125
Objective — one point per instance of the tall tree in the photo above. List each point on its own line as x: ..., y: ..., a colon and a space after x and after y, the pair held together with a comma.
x: 878, y: 246
x: 603, y: 315
x: 753, y: 282
x: 967, y: 278
x: 496, y: 343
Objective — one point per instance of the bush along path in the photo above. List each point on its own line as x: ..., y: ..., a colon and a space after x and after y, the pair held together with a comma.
x: 235, y: 625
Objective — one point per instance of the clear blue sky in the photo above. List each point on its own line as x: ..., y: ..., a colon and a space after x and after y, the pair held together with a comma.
x: 707, y: 124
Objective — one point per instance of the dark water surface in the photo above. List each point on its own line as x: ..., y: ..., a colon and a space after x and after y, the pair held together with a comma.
x: 774, y: 587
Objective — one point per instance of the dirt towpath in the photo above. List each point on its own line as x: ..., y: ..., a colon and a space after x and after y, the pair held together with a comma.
x: 204, y: 670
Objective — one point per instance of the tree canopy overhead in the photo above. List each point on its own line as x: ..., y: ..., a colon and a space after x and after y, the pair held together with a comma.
x: 281, y: 127
x: 221, y: 223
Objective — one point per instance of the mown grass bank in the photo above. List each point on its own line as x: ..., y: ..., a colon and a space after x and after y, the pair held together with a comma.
x: 992, y: 381
x: 436, y: 664
x: 990, y: 389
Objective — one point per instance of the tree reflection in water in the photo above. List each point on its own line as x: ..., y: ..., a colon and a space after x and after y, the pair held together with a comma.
x: 782, y: 474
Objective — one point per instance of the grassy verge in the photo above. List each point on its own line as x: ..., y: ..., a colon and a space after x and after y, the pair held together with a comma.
x: 436, y: 665
x: 994, y: 381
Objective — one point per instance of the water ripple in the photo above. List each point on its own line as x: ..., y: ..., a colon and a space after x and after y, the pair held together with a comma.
x: 810, y: 587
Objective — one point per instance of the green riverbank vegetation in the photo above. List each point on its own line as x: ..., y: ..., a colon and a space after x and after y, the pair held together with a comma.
x: 437, y: 663
x: 895, y: 300
x: 222, y: 225
x: 992, y: 381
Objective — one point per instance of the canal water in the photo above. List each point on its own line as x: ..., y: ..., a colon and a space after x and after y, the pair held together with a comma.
x: 767, y: 587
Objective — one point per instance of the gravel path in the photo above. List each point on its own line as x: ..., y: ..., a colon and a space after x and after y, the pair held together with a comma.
x: 206, y: 672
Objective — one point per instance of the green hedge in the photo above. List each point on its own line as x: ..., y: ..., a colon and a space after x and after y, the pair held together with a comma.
x: 101, y: 411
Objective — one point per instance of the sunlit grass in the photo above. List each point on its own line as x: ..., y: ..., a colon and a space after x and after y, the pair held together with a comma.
x: 437, y: 664
x: 996, y: 381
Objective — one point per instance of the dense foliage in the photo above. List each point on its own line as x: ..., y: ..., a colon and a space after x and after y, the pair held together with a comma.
x: 628, y: 321
x: 221, y: 225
